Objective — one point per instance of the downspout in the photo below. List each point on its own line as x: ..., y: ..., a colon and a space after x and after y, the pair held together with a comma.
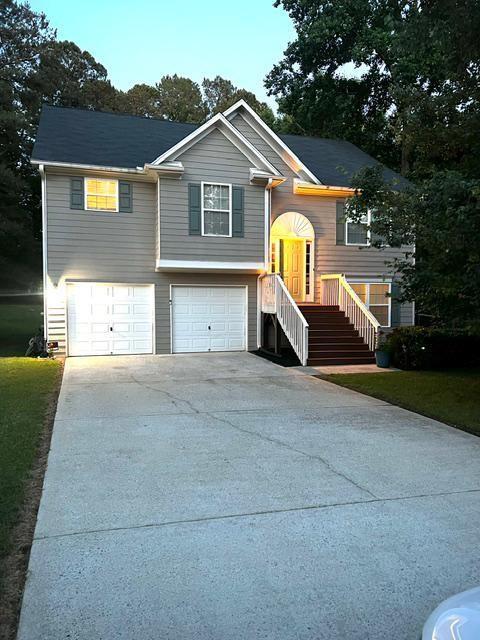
x: 41, y: 169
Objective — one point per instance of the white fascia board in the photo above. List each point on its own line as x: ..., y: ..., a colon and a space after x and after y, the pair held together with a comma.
x: 271, y: 138
x: 204, y: 265
x: 229, y: 131
x: 87, y: 167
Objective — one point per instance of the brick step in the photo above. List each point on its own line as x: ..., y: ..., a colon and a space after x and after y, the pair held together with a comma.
x: 327, y: 361
x: 314, y: 347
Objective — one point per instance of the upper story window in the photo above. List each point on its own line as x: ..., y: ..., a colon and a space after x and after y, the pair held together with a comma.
x: 101, y: 194
x: 216, y: 209
x: 358, y: 233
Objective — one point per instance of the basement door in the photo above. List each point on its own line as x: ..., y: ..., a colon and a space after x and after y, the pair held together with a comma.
x: 208, y: 318
x: 109, y: 319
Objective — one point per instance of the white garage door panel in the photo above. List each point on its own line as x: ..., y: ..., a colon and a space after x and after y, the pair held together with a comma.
x: 208, y: 319
x: 106, y: 319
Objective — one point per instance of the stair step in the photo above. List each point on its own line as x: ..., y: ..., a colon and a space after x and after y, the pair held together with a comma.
x: 335, y: 326
x: 319, y: 307
x: 327, y: 361
x: 333, y: 333
x: 314, y: 347
x: 349, y: 339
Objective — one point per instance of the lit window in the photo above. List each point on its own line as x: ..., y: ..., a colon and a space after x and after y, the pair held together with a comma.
x: 217, y: 209
x: 357, y: 233
x: 374, y: 296
x: 308, y: 266
x: 101, y: 195
x: 273, y: 262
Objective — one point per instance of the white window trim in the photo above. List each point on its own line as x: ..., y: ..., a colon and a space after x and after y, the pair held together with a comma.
x: 85, y: 194
x: 229, y: 210
x: 368, y: 282
x: 359, y: 244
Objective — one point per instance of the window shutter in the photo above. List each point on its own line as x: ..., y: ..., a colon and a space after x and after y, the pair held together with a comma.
x: 395, y: 292
x: 194, y: 209
x: 238, y: 195
x: 125, y: 197
x: 340, y: 234
x: 77, y: 199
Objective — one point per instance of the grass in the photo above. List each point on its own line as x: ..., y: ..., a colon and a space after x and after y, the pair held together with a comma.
x: 449, y: 396
x: 20, y: 319
x: 28, y: 388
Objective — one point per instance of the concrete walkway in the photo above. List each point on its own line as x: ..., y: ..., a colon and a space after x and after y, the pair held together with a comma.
x: 222, y: 497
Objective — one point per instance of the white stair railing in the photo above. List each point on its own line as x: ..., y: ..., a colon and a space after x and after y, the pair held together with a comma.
x: 336, y: 291
x: 275, y: 298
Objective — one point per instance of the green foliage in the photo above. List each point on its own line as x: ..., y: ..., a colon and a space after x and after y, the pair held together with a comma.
x: 437, y: 223
x: 410, y: 94
x: 430, y: 348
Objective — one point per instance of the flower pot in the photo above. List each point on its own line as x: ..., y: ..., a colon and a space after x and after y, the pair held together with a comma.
x: 382, y: 358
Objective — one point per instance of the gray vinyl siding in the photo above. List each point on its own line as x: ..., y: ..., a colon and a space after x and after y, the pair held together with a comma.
x: 117, y: 247
x: 213, y: 159
x: 329, y: 257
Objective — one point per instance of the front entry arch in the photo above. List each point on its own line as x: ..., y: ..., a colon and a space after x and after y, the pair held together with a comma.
x: 292, y: 254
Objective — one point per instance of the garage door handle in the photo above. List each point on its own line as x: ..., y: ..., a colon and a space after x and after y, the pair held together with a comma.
x: 111, y: 328
x: 209, y: 327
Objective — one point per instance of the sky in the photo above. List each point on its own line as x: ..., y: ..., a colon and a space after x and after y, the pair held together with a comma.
x: 139, y: 41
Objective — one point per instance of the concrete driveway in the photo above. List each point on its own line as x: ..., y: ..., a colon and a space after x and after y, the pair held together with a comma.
x: 222, y: 497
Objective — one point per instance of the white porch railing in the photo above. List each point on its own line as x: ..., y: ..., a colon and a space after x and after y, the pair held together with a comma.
x: 275, y: 298
x: 336, y: 291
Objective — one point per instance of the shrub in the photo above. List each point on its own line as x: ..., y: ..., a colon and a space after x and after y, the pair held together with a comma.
x: 428, y: 348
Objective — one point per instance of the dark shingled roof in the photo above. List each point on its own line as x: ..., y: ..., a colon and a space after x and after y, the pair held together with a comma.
x: 79, y: 136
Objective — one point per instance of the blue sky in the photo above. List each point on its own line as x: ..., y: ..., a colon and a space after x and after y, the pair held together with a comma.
x: 142, y: 40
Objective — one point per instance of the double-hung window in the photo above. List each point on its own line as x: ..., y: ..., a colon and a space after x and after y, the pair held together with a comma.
x: 375, y: 296
x: 101, y: 194
x: 358, y: 233
x: 216, y: 209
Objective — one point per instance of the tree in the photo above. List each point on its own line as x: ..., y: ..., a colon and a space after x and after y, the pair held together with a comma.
x: 220, y: 94
x: 141, y: 100
x: 415, y: 103
x: 180, y: 99
x: 438, y: 223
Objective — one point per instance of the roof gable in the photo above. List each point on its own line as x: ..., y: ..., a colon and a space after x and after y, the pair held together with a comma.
x: 220, y: 123
x: 275, y: 142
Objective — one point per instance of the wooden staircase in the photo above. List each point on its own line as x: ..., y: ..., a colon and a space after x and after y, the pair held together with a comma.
x: 332, y: 339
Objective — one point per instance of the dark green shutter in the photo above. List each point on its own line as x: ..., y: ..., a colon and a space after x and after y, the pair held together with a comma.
x: 125, y: 197
x: 395, y: 292
x: 238, y: 195
x: 194, y: 209
x: 340, y: 234
x: 77, y: 199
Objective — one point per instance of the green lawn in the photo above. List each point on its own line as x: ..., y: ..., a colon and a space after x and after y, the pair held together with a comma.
x: 449, y: 396
x: 20, y: 319
x: 27, y: 388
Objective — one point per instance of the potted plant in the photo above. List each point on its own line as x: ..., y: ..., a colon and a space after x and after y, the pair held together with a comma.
x: 382, y: 350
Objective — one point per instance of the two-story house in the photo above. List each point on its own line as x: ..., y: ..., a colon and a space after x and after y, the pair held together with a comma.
x: 161, y: 237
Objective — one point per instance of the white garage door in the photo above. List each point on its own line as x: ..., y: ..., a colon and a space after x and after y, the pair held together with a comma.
x: 106, y: 319
x: 208, y: 319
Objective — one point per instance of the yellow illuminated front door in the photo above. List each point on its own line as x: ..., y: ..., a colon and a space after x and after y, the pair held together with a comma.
x: 293, y: 268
